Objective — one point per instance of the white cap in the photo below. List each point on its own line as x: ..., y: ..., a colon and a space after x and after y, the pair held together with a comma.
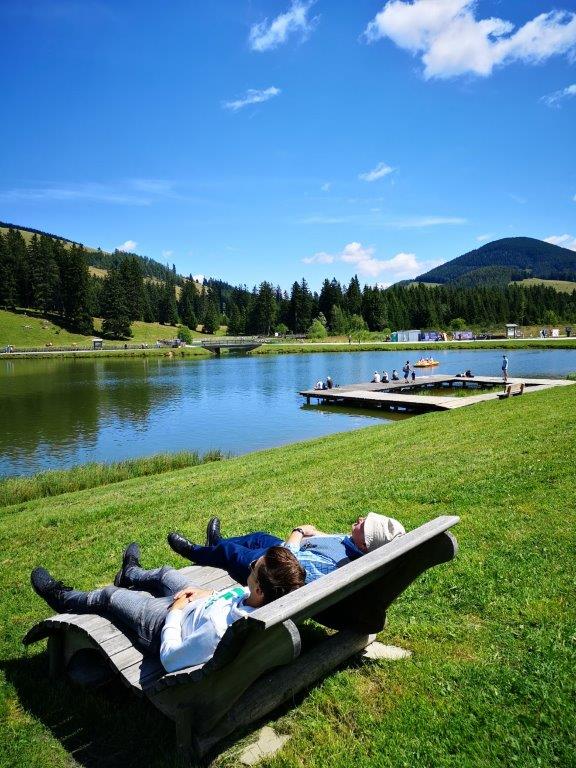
x: 379, y: 530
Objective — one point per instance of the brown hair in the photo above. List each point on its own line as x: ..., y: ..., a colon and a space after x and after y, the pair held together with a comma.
x: 279, y: 573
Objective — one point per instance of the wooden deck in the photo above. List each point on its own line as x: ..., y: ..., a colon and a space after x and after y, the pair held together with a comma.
x: 400, y: 395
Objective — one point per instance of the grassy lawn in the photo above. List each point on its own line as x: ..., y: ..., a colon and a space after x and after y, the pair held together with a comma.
x: 491, y: 680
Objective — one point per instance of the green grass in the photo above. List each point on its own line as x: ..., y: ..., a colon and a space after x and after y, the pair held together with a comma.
x: 564, y: 286
x: 15, y: 490
x: 491, y: 680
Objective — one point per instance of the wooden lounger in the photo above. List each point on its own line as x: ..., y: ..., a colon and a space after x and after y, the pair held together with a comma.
x: 259, y: 662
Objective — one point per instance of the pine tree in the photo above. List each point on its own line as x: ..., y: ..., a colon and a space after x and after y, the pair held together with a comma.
x: 8, y: 283
x: 75, y: 292
x: 114, y: 308
x: 168, y: 308
x: 132, y: 278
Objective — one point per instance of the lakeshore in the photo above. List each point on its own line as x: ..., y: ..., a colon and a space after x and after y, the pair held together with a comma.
x: 494, y: 625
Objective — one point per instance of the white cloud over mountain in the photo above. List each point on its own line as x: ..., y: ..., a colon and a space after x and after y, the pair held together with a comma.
x: 451, y: 41
x: 399, y: 267
x: 564, y: 241
x: 128, y: 246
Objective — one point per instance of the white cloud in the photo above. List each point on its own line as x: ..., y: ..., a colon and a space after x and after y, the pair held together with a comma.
x: 128, y: 246
x: 554, y: 99
x: 198, y: 278
x: 167, y: 254
x: 451, y: 41
x: 319, y: 258
x: 376, y: 173
x: 484, y: 238
x: 326, y: 187
x: 401, y: 266
x: 565, y: 241
x: 252, y: 96
x: 374, y: 218
x: 267, y: 35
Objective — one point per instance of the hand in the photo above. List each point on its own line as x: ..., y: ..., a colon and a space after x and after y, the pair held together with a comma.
x: 309, y: 530
x: 187, y: 595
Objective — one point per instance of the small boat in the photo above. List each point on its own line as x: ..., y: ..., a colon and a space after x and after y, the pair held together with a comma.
x: 426, y: 363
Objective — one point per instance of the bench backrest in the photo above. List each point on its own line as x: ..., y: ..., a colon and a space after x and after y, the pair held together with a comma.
x: 323, y: 593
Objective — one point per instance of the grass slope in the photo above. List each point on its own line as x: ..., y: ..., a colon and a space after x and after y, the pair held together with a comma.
x: 564, y: 286
x: 491, y: 681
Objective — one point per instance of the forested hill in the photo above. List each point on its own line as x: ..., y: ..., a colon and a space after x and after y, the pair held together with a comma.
x: 501, y: 261
x: 95, y: 257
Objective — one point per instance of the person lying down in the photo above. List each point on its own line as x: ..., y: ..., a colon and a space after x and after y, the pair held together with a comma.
x: 164, y: 613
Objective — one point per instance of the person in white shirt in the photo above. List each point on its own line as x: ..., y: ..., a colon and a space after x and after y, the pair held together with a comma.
x: 165, y: 614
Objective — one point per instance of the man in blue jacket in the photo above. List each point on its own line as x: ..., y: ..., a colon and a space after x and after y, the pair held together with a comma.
x: 319, y: 553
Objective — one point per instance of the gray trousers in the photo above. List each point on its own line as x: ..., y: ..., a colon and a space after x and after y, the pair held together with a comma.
x: 141, y: 611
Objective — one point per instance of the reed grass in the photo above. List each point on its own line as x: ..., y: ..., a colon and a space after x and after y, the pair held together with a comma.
x: 16, y: 490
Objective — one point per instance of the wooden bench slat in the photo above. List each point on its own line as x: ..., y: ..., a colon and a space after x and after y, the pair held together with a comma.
x: 307, y: 600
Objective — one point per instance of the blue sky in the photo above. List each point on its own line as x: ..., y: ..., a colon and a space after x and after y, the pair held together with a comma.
x: 272, y: 140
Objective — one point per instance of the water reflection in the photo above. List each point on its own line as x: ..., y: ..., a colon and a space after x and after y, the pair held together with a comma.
x: 58, y: 412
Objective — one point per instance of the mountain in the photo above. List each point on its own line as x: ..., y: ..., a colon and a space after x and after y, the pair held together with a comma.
x: 503, y: 261
x: 95, y: 257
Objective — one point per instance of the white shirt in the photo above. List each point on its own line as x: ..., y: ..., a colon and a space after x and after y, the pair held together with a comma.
x: 190, y: 635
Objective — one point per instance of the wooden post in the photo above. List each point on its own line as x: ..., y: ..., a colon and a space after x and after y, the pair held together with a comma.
x: 55, y: 655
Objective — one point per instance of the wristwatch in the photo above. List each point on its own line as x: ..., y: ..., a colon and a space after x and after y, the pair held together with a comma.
x: 299, y: 530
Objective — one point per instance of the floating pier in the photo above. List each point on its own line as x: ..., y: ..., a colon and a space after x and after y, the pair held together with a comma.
x: 401, y: 395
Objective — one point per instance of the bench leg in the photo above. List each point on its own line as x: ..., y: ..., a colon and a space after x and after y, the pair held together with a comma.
x: 55, y: 656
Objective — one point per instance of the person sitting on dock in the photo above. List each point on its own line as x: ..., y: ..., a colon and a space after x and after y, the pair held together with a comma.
x: 375, y: 378
x: 395, y: 376
x: 329, y: 382
x: 385, y: 379
x: 319, y: 553
x: 168, y: 615
x: 319, y: 384
x: 469, y: 374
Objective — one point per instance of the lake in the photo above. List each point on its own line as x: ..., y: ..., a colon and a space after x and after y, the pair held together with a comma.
x: 63, y: 412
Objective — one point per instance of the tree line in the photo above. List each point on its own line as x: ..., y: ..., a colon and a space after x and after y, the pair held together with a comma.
x: 53, y: 277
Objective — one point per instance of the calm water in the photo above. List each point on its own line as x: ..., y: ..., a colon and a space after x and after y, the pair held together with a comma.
x: 59, y: 413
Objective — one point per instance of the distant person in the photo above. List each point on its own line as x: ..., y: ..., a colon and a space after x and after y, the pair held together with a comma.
x: 469, y: 374
x: 319, y: 384
x: 395, y: 376
x: 329, y: 382
x: 385, y: 377
x: 504, y: 367
x: 317, y: 552
x: 406, y: 369
x: 413, y: 375
x: 168, y: 615
x: 376, y: 378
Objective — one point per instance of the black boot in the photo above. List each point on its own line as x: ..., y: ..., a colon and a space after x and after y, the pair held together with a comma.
x: 213, y: 532
x: 49, y: 589
x: 131, y: 557
x: 181, y: 545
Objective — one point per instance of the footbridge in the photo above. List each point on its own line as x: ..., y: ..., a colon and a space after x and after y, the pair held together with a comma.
x: 240, y: 345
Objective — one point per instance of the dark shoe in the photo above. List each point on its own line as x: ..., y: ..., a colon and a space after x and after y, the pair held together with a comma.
x: 181, y: 545
x: 131, y: 557
x: 49, y: 589
x: 213, y: 532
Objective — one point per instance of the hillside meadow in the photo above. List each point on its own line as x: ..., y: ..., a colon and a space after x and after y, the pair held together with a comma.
x: 491, y: 680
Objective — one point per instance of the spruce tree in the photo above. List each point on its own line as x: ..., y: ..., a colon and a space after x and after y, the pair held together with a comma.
x: 8, y: 283
x: 114, y: 308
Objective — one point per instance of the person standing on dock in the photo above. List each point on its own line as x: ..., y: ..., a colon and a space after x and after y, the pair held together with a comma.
x: 504, y: 367
x: 406, y: 370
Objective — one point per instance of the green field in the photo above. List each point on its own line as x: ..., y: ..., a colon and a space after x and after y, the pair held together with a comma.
x: 34, y: 330
x: 491, y: 680
x: 566, y: 286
